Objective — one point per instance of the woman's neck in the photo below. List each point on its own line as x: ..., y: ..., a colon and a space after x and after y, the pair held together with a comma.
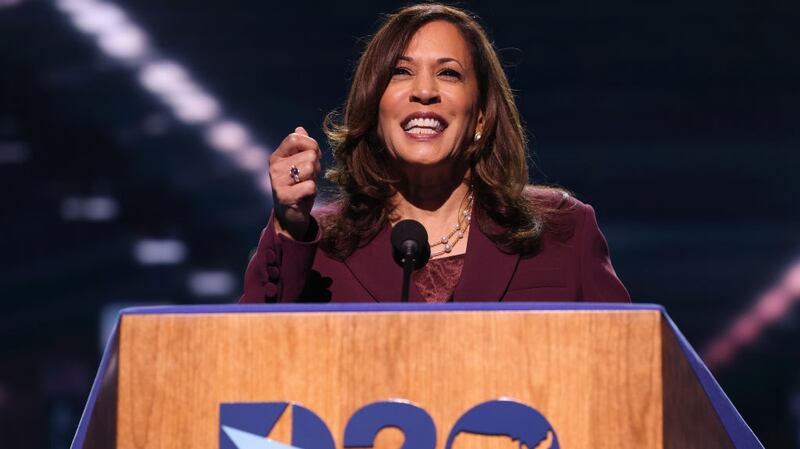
x: 433, y: 192
x: 437, y: 205
x: 430, y: 202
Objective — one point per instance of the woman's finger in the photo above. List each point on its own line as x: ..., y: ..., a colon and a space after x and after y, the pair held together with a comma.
x: 296, y: 143
x: 302, y: 171
x: 292, y: 170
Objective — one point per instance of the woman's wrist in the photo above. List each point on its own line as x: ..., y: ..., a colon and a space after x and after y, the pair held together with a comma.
x: 305, y: 231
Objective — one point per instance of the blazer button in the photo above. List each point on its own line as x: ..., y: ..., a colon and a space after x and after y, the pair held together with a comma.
x: 270, y: 257
x: 271, y: 290
x: 273, y: 272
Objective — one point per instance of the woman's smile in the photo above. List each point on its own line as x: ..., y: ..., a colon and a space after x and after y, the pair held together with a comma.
x: 423, y: 126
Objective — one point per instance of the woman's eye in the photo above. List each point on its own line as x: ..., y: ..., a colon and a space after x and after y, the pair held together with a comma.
x: 450, y: 73
x: 400, y: 71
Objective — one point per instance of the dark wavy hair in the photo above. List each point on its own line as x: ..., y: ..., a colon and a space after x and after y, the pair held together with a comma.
x: 498, y: 161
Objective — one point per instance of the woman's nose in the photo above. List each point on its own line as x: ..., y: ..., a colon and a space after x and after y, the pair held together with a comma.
x: 425, y: 90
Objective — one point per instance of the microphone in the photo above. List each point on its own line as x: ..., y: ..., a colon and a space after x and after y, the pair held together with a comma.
x: 410, y: 249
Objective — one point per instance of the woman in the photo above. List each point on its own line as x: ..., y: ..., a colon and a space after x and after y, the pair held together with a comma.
x: 429, y: 132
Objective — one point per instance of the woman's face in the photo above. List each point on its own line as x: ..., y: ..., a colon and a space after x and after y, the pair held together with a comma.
x: 429, y: 110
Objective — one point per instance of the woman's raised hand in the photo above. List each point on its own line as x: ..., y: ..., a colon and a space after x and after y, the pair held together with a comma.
x: 293, y: 170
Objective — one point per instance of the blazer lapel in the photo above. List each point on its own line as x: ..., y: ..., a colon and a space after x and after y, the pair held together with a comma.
x: 485, y: 277
x: 375, y: 269
x: 487, y: 270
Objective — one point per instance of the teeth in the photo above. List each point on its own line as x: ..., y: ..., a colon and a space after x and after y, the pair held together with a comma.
x: 421, y: 131
x: 430, y: 123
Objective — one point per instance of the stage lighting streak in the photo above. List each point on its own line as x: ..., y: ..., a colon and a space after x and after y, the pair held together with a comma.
x: 745, y: 330
x: 71, y: 209
x: 74, y: 6
x: 228, y: 136
x: 792, y: 281
x: 253, y: 159
x: 194, y: 107
x: 159, y: 251
x: 125, y: 42
x: 768, y: 309
x: 95, y: 208
x: 189, y: 103
x: 9, y: 3
x: 119, y: 38
x: 773, y: 305
x: 719, y: 353
x: 163, y: 77
x: 97, y: 18
x: 13, y: 152
x: 100, y: 208
x: 212, y: 283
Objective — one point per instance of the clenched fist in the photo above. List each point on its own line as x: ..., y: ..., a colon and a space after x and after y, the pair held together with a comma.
x: 293, y: 171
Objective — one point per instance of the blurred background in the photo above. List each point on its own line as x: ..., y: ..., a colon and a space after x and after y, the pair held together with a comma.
x: 134, y: 137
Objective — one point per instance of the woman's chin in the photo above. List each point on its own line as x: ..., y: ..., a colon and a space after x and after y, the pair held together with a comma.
x: 427, y: 163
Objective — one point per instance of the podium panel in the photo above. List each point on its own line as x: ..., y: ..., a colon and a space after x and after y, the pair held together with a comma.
x: 599, y: 377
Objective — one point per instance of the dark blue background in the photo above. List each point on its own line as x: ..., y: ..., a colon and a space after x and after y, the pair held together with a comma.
x: 677, y: 121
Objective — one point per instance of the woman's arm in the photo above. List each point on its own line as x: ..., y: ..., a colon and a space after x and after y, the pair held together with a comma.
x: 279, y: 269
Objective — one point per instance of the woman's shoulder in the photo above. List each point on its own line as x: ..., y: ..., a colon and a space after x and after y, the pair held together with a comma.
x: 552, y: 198
x: 558, y: 209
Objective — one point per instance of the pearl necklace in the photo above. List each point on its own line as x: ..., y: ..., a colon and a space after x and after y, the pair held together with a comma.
x: 450, y: 240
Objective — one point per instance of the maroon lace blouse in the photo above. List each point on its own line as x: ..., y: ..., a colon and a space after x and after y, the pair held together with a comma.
x: 438, y: 278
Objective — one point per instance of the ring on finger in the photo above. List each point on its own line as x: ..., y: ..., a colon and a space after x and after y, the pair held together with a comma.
x: 294, y: 173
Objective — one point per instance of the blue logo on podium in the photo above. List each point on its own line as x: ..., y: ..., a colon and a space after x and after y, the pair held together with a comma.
x: 506, y: 418
x: 248, y: 425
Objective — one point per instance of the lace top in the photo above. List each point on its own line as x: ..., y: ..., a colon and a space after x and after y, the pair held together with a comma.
x: 438, y: 278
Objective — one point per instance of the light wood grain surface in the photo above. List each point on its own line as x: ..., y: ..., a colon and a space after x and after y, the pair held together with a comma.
x: 596, y: 376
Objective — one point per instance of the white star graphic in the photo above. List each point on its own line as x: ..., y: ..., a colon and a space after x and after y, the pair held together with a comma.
x: 247, y: 440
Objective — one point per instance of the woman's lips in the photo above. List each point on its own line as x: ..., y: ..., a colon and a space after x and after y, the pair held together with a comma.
x: 423, y: 133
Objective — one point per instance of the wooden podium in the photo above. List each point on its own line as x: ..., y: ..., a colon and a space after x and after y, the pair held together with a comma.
x: 602, y: 376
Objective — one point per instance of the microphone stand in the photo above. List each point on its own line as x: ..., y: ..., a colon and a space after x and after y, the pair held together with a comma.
x: 408, y: 267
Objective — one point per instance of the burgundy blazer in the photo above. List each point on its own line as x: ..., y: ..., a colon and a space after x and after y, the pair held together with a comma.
x: 575, y: 268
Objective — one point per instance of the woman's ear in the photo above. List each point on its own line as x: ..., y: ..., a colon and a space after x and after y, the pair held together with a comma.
x: 479, y: 126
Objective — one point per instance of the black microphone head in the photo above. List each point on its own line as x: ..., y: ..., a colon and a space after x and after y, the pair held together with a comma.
x: 410, y: 236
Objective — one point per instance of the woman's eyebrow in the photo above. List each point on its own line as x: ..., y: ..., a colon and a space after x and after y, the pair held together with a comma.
x: 445, y: 60
x: 439, y: 61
